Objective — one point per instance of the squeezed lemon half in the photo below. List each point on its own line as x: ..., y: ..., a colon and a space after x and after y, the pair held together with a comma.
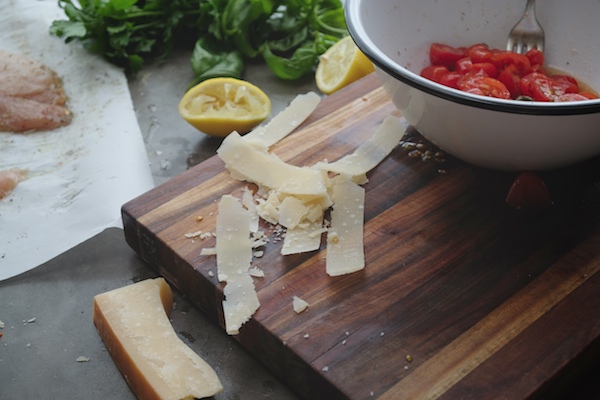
x: 219, y: 106
x: 342, y: 64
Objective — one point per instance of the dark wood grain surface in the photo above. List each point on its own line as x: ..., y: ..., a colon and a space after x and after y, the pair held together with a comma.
x: 461, y: 297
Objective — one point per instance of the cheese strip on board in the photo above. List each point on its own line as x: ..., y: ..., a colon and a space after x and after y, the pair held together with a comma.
x: 133, y: 322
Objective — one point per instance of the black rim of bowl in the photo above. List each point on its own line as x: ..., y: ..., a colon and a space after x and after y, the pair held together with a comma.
x: 510, y: 106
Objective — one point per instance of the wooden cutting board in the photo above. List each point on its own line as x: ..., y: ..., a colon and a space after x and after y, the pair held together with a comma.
x: 462, y: 296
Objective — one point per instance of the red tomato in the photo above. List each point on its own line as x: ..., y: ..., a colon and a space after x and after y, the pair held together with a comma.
x: 589, y: 95
x: 483, y: 85
x: 463, y: 65
x: 571, y: 97
x: 568, y: 83
x: 441, y: 54
x: 535, y: 57
x: 488, y: 68
x: 541, y: 87
x: 506, y: 72
x: 503, y: 58
x: 434, y: 72
x: 450, y: 79
x: 479, y: 53
x: 511, y: 78
x: 528, y: 190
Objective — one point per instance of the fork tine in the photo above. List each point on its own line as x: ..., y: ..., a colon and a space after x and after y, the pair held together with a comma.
x: 527, y: 32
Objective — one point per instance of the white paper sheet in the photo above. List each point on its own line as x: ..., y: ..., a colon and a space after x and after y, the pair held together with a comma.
x: 79, y: 175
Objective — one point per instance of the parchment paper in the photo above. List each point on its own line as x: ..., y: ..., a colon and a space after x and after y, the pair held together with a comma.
x: 80, y: 175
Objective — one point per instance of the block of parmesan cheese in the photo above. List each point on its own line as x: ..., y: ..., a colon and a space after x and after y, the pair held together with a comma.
x: 133, y: 321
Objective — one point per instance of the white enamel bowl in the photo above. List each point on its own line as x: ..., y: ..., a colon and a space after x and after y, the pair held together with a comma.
x: 493, y: 133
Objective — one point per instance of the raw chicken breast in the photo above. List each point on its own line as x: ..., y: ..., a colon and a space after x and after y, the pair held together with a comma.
x: 9, y: 180
x: 31, y: 95
x: 22, y: 115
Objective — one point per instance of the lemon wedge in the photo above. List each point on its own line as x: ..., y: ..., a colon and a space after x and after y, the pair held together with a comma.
x: 219, y: 106
x: 342, y: 64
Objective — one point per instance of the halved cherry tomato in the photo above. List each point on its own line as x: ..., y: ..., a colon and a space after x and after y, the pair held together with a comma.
x: 511, y: 77
x: 503, y: 58
x: 518, y: 74
x: 442, y: 54
x: 479, y: 53
x: 541, y: 87
x: 463, y: 65
x: 571, y: 97
x: 528, y: 190
x: 535, y: 57
x: 483, y: 85
x: 434, y: 72
x: 488, y: 68
x: 568, y: 83
x: 450, y: 79
x: 589, y: 95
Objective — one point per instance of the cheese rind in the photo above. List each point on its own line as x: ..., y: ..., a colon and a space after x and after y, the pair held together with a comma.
x: 134, y: 325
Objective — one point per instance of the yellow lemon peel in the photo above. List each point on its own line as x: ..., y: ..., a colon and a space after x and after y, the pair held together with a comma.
x: 219, y: 106
x: 342, y: 64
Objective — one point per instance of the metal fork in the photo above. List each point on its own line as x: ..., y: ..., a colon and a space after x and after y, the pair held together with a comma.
x: 527, y: 33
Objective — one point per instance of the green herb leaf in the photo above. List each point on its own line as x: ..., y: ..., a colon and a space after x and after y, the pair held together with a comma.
x: 288, y: 35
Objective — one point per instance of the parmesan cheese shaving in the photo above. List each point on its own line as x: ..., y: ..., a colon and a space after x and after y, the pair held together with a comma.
x: 285, y: 121
x: 249, y: 163
x: 302, y: 238
x: 291, y: 212
x: 345, y: 250
x: 370, y: 153
x: 250, y: 205
x: 295, y: 198
x: 234, y: 256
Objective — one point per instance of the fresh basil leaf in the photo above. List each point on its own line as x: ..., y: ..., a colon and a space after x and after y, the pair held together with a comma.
x: 243, y: 22
x: 207, y: 62
x: 302, y: 62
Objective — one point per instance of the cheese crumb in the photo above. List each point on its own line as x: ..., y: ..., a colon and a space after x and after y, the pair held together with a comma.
x: 82, y: 359
x: 193, y: 235
x: 1, y: 324
x: 299, y: 304
x: 256, y: 272
x: 208, y: 251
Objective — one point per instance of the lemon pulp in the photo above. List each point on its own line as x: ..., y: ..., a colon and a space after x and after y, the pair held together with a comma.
x: 342, y: 64
x: 219, y: 106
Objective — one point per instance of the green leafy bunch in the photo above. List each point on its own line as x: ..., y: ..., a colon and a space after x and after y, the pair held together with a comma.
x: 288, y: 35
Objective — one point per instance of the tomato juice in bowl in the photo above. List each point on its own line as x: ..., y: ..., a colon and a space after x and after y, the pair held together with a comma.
x: 495, y: 133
